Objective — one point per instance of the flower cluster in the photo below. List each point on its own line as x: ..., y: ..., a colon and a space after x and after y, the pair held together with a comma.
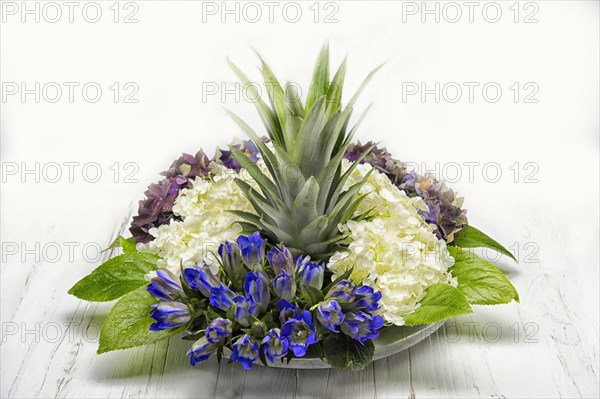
x: 395, y: 250
x: 203, y: 220
x: 444, y: 207
x: 156, y: 209
x: 261, y: 304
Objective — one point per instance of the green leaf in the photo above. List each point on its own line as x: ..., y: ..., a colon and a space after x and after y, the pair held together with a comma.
x: 480, y: 281
x: 115, y: 277
x: 470, y: 237
x: 320, y: 79
x: 311, y: 294
x: 128, y: 323
x: 343, y: 352
x: 128, y: 244
x: 441, y: 302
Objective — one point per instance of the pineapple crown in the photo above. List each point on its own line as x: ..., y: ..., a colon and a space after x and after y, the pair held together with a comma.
x: 301, y: 201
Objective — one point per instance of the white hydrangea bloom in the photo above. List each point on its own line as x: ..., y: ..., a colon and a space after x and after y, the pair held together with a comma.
x: 396, y: 252
x: 205, y: 221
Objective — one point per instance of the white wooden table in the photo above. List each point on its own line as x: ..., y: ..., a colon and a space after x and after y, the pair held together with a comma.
x: 545, y: 347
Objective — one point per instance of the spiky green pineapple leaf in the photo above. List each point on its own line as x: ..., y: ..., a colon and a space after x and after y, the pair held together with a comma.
x: 320, y: 79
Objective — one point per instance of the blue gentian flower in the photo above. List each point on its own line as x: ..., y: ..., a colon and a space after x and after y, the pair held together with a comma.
x: 286, y: 310
x: 300, y: 333
x: 275, y: 346
x: 256, y: 287
x: 330, y: 315
x: 284, y: 286
x: 253, y: 249
x: 221, y: 297
x: 245, y: 351
x: 281, y: 260
x: 201, y: 279
x: 368, y: 298
x: 311, y: 273
x: 164, y: 286
x: 200, y: 351
x: 361, y: 326
x: 169, y: 314
x: 218, y: 330
x: 231, y: 260
x: 243, y: 308
x: 343, y: 292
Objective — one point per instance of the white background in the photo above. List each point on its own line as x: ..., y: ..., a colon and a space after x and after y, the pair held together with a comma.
x: 547, y: 346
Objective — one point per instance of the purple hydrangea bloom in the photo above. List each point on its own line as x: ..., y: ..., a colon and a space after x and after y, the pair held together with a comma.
x: 444, y: 207
x: 164, y: 286
x: 245, y: 351
x: 299, y: 333
x: 225, y: 157
x: 361, y: 326
x: 275, y: 346
x: 157, y: 208
x: 169, y: 314
x: 187, y: 168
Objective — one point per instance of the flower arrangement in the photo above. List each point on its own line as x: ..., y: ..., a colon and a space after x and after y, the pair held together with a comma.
x: 299, y: 243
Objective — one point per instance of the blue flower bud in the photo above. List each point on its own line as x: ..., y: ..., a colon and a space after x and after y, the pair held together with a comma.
x: 311, y: 273
x: 231, y: 260
x: 221, y: 297
x: 361, y: 326
x: 200, y: 351
x: 243, y: 308
x: 218, y: 330
x: 201, y: 279
x: 330, y: 315
x: 253, y: 249
x: 343, y: 292
x: 169, y: 314
x: 286, y: 310
x: 164, y: 286
x: 281, y: 260
x: 245, y: 351
x: 299, y: 333
x: 368, y: 298
x: 284, y: 286
x: 275, y: 346
x: 256, y: 287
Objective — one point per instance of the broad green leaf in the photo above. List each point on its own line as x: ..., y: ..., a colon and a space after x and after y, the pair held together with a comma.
x: 470, y: 237
x: 115, y: 277
x: 343, y: 352
x: 311, y: 294
x: 128, y: 244
x: 480, y: 281
x: 128, y: 323
x: 441, y: 302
